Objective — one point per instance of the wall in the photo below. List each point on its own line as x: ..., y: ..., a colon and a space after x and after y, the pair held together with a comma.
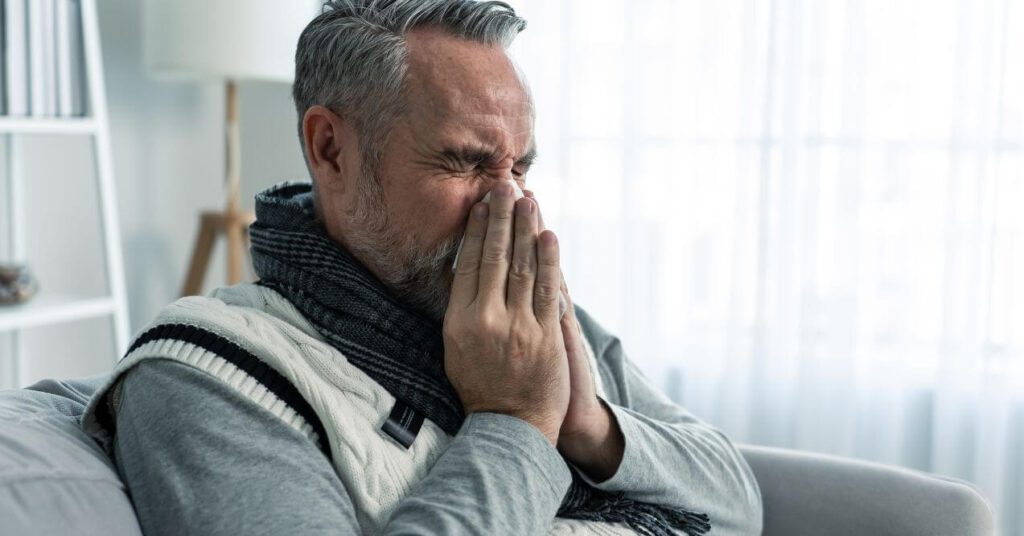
x: 167, y: 140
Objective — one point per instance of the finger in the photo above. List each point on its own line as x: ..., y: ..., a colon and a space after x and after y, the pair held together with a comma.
x: 545, y: 289
x: 540, y: 215
x: 569, y: 321
x: 565, y: 292
x: 570, y: 328
x: 467, y: 270
x: 581, y: 374
x: 523, y: 271
x: 541, y: 226
x: 497, y: 247
x: 579, y: 362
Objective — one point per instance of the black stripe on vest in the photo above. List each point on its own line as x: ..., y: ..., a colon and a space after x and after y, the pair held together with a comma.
x: 244, y: 360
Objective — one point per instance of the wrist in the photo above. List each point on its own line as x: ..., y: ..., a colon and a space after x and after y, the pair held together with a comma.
x: 546, y: 426
x: 583, y: 441
x: 598, y: 450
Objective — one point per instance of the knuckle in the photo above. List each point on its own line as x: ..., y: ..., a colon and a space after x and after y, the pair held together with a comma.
x: 527, y: 334
x: 502, y: 213
x: 490, y: 323
x: 523, y: 225
x: 550, y: 259
x: 520, y: 271
x: 495, y: 255
x: 465, y: 267
x: 546, y: 290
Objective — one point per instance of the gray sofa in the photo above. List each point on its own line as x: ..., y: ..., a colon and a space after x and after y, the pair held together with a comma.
x: 55, y: 480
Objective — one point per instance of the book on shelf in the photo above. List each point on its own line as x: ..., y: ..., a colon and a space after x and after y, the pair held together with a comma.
x: 42, y: 62
x: 3, y: 63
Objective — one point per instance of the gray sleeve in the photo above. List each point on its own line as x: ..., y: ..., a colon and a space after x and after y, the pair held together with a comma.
x: 671, y: 456
x: 198, y: 458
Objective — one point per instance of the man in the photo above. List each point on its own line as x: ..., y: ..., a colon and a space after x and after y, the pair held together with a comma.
x: 363, y: 386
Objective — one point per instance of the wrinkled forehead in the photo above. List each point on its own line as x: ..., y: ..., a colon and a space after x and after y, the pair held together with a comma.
x: 461, y: 88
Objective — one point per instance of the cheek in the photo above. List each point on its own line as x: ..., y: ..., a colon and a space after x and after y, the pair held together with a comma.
x: 438, y: 213
x: 453, y: 209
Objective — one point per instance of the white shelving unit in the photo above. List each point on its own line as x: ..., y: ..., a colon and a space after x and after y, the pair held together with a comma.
x: 49, y: 308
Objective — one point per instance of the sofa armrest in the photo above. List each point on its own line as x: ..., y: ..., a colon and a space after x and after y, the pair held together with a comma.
x: 54, y: 479
x: 814, y: 494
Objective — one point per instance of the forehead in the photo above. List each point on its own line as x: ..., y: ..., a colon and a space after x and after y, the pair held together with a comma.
x: 467, y: 90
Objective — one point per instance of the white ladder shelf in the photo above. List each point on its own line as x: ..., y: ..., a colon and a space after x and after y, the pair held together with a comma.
x: 49, y: 308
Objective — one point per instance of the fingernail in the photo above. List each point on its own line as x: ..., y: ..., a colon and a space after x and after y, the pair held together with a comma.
x: 504, y: 189
x: 524, y: 208
x: 480, y: 211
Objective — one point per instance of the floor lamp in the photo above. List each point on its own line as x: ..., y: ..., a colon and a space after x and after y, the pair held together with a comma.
x: 224, y: 41
x: 233, y: 222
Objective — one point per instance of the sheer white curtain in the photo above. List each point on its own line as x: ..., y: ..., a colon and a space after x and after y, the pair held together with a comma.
x: 805, y: 219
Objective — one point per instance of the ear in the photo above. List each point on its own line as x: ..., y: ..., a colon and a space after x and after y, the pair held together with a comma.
x: 331, y: 148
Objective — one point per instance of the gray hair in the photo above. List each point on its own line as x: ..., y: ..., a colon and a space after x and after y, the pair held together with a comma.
x: 352, y: 57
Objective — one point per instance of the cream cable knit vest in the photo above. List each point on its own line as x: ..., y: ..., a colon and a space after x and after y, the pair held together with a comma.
x: 376, y: 471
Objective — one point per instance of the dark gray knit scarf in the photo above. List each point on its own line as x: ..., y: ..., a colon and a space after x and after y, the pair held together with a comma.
x: 399, y: 348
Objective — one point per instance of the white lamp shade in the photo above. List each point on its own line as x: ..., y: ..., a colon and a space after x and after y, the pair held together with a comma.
x: 225, y: 39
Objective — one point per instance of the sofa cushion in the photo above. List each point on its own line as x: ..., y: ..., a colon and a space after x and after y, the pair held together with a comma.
x: 54, y: 479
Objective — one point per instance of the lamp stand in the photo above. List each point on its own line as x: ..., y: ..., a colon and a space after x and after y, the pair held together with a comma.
x: 232, y: 222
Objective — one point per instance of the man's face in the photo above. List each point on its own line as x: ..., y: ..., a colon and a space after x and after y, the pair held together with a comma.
x: 468, y: 125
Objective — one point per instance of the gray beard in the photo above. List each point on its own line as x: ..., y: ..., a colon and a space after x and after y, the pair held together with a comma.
x: 423, y: 280
x: 419, y: 279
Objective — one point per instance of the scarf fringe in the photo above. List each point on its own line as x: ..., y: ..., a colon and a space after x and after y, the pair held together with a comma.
x: 585, y: 503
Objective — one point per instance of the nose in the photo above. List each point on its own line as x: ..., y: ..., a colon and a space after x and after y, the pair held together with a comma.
x: 501, y: 173
x: 494, y: 178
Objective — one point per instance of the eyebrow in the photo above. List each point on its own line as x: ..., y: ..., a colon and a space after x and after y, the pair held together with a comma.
x: 477, y: 154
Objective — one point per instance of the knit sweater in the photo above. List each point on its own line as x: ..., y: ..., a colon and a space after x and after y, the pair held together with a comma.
x: 255, y: 342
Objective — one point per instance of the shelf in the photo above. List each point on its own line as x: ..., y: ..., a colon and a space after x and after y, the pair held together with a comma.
x: 45, y: 309
x: 47, y: 125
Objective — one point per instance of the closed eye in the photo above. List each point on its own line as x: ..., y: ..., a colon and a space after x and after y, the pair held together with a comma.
x: 470, y: 159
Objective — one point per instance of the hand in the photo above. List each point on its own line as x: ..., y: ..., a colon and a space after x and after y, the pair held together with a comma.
x: 590, y: 436
x: 504, y: 350
x: 585, y: 412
